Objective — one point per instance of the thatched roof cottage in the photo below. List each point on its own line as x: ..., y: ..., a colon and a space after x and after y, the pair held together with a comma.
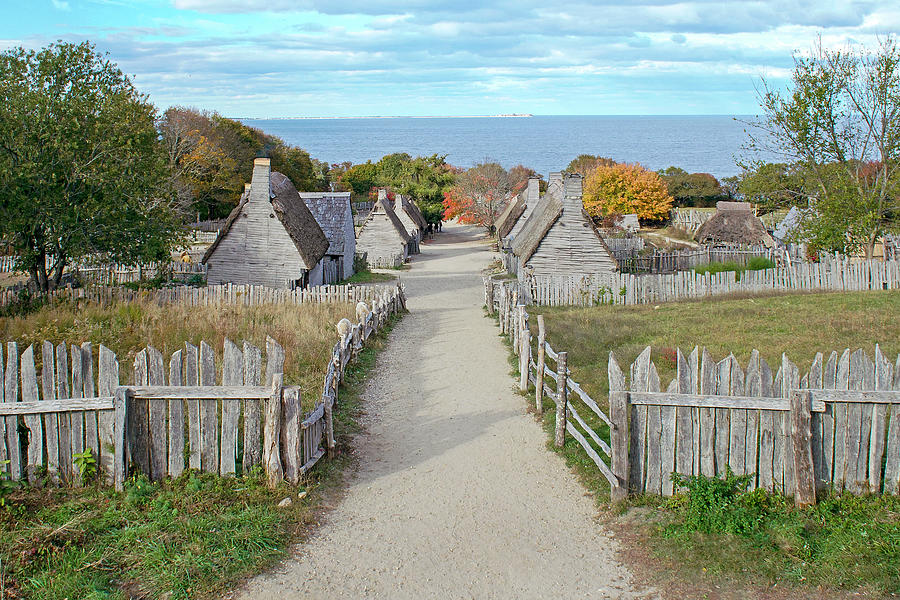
x: 412, y: 219
x: 334, y: 215
x: 270, y: 238
x: 383, y: 237
x: 559, y: 238
x: 735, y: 224
x: 531, y: 195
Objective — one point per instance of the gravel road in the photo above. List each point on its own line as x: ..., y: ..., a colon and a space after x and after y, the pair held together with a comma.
x: 456, y: 495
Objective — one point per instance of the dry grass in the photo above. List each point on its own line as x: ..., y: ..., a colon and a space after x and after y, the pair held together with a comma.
x: 306, y: 332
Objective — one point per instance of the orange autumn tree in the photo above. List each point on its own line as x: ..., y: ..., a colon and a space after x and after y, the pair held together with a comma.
x: 478, y: 196
x: 624, y: 189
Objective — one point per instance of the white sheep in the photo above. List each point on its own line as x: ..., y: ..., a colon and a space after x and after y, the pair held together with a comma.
x: 362, y: 311
x: 344, y: 327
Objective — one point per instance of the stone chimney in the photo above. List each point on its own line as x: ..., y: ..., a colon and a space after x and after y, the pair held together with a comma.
x: 382, y: 194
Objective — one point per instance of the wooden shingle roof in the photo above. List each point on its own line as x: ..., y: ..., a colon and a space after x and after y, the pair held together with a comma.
x: 331, y: 210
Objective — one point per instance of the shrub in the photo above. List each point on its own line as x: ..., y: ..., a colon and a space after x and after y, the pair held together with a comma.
x: 721, y: 505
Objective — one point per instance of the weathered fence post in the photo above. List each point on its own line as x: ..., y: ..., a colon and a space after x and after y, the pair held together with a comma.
x: 272, y: 434
x: 120, y: 407
x: 801, y: 434
x: 489, y: 295
x: 618, y: 414
x: 539, y: 377
x: 524, y: 350
x: 562, y: 399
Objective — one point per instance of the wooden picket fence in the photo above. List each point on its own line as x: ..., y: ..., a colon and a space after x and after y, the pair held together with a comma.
x: 117, y: 273
x: 216, y: 295
x: 624, y: 288
x: 835, y: 428
x: 685, y: 260
x: 171, y: 419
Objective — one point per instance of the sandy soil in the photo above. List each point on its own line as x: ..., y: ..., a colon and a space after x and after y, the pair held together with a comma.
x: 456, y: 495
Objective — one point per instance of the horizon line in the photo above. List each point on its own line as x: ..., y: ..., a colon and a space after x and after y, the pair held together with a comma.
x: 497, y: 116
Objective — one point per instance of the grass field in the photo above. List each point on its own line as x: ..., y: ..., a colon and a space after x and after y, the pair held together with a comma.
x: 754, y: 541
x: 307, y: 332
x: 194, y: 537
x: 799, y: 325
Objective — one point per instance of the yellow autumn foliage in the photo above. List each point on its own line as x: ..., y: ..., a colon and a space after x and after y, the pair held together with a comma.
x: 625, y: 189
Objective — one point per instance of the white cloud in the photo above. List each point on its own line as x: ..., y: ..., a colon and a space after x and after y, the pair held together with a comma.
x: 60, y: 4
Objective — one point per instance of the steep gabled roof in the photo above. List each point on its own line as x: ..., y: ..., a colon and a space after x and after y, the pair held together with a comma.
x: 536, y: 227
x: 292, y: 213
x: 734, y: 223
x: 383, y: 206
x: 331, y: 210
x: 514, y: 209
x: 232, y: 216
x: 411, y: 209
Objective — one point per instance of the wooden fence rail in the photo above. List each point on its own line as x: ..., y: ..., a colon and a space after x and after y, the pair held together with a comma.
x: 567, y: 395
x: 215, y: 295
x: 837, y: 427
x: 189, y: 415
x: 624, y: 288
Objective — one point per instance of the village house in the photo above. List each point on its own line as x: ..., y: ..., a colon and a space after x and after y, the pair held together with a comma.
x: 559, y: 238
x: 734, y: 224
x: 334, y: 215
x: 517, y: 211
x: 271, y: 238
x: 382, y: 237
x: 412, y: 219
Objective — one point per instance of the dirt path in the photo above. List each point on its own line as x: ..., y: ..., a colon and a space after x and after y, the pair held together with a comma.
x: 456, y: 495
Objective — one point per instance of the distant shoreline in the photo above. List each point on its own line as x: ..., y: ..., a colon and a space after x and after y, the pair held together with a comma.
x: 509, y: 116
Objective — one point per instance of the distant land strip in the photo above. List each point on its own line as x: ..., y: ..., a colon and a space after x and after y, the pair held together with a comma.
x: 509, y: 116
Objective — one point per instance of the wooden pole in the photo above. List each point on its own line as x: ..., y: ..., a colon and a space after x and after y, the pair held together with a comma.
x: 525, y: 353
x: 120, y: 430
x: 619, y: 434
x: 539, y: 378
x: 272, y: 434
x: 562, y: 401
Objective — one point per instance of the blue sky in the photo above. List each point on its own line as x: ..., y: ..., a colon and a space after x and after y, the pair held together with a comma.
x: 279, y: 58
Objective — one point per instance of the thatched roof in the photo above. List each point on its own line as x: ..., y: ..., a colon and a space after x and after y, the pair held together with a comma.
x: 511, y: 214
x: 733, y: 223
x: 295, y: 217
x: 539, y: 223
x: 412, y: 210
x: 331, y: 210
x: 382, y: 206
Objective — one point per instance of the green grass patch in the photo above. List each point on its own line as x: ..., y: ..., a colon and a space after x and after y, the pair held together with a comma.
x: 756, y: 263
x: 798, y: 324
x: 370, y: 277
x: 193, y: 537
x: 717, y: 528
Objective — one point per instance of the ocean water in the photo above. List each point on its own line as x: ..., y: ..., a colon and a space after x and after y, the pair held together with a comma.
x: 708, y: 144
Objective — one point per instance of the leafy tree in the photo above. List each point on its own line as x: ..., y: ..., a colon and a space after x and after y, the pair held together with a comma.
x: 361, y: 178
x: 478, y: 196
x: 82, y: 171
x: 519, y: 176
x: 624, y: 189
x: 585, y: 163
x: 693, y: 189
x: 211, y: 157
x: 838, y: 125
